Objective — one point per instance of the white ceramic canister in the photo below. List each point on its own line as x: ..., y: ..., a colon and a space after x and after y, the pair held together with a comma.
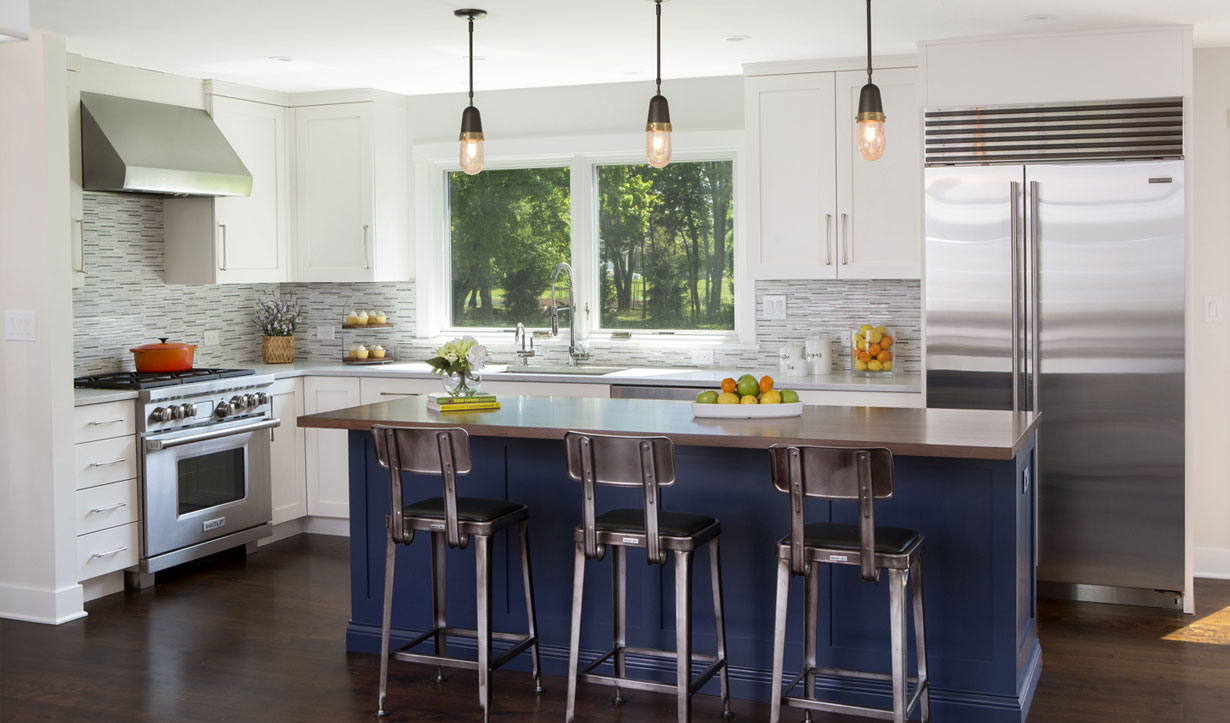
x: 817, y: 353
x: 791, y: 357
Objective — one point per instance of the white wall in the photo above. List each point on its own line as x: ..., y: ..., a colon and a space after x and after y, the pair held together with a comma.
x: 38, y: 567
x: 1210, y: 351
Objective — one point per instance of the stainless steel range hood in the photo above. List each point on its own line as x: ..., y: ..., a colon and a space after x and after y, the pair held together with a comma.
x: 143, y: 147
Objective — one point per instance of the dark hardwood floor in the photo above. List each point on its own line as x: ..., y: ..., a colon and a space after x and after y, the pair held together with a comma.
x: 261, y: 638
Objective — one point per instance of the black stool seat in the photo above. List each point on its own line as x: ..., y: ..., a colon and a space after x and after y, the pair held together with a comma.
x: 670, y: 524
x: 469, y: 509
x: 836, y: 536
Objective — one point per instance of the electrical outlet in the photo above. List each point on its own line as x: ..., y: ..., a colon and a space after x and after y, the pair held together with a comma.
x: 20, y: 326
x: 702, y: 356
x: 213, y: 337
x: 326, y: 333
x: 774, y: 307
x: 1213, y: 310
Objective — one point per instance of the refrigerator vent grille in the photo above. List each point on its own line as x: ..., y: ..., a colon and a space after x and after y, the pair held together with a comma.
x: 1135, y: 130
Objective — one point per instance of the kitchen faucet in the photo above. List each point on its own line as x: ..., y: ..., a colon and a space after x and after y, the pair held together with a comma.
x: 576, y: 350
x: 519, y: 337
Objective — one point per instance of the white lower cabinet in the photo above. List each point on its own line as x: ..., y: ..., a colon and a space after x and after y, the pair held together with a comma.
x: 107, y: 501
x: 288, y: 452
x: 110, y: 550
x: 548, y: 389
x: 862, y: 399
x: 328, y: 469
x: 383, y: 389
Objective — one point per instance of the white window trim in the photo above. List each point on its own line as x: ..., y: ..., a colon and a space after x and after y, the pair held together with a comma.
x: 581, y: 153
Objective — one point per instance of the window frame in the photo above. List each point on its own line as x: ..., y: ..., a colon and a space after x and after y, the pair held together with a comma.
x: 581, y: 154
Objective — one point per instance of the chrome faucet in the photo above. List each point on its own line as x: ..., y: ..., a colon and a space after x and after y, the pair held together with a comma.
x: 576, y: 350
x: 519, y: 338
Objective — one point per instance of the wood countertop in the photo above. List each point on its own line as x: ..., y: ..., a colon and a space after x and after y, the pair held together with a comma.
x: 956, y: 433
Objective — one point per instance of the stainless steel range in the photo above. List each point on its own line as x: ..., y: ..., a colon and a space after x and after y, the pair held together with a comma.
x: 205, y: 463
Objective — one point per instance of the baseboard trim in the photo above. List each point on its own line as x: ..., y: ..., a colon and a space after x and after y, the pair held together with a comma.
x: 336, y: 526
x: 49, y: 607
x: 1211, y: 562
x: 103, y: 585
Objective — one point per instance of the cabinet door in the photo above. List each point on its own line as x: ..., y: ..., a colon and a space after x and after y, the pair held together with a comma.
x: 879, y: 216
x: 76, y: 201
x: 328, y: 468
x: 334, y: 202
x: 288, y: 452
x: 252, y: 230
x: 384, y: 389
x: 793, y: 196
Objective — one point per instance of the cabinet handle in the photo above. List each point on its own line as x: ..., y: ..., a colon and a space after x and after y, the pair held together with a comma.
x: 845, y: 238
x: 367, y: 264
x: 109, y: 553
x: 97, y: 423
x: 108, y: 508
x: 104, y: 464
x: 80, y: 224
x: 828, y: 239
x: 397, y: 394
x: 222, y: 263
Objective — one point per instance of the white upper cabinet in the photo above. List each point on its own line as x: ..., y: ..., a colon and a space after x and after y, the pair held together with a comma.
x: 239, y: 239
x: 878, y: 202
x: 352, y: 193
x: 816, y: 209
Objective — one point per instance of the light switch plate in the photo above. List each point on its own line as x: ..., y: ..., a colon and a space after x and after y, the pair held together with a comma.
x: 702, y: 356
x: 325, y: 333
x: 774, y: 307
x: 1213, y: 313
x: 213, y: 337
x: 20, y: 326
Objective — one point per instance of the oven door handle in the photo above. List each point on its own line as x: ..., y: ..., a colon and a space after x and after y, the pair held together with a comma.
x: 153, y: 445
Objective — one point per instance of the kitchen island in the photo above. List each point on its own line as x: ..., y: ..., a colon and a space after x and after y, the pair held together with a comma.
x: 964, y: 479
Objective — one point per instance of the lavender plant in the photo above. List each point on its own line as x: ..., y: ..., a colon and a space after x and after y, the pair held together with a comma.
x: 278, y: 316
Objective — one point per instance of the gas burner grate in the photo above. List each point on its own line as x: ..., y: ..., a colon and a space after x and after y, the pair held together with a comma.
x: 154, y: 380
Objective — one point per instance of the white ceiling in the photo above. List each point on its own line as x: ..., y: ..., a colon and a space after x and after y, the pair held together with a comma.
x: 417, y: 46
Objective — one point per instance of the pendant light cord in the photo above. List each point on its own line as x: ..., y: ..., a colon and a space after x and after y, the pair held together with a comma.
x: 472, y: 58
x: 658, y: 79
x: 868, y: 41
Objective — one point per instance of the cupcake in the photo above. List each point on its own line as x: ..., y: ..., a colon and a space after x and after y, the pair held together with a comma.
x: 361, y: 318
x: 377, y: 351
x: 352, y: 317
x: 353, y: 352
x: 377, y: 317
x: 361, y: 352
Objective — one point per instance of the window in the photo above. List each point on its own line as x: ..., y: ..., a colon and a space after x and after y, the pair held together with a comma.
x: 507, y: 231
x: 666, y: 246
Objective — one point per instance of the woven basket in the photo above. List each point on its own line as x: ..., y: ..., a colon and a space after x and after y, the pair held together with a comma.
x: 278, y: 349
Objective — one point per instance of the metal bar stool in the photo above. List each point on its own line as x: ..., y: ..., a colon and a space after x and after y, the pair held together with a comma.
x: 649, y: 463
x: 866, y: 475
x: 451, y: 520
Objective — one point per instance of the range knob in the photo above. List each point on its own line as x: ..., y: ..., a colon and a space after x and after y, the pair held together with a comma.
x: 239, y: 401
x: 223, y: 409
x: 189, y: 410
x: 252, y: 400
x: 161, y: 414
x: 177, y: 412
x: 262, y: 398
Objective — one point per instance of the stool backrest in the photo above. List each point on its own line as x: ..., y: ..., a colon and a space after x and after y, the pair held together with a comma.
x: 606, y: 459
x: 423, y: 450
x: 839, y: 474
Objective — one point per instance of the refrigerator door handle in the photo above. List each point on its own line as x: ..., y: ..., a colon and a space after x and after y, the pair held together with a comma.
x: 1035, y: 303
x: 1014, y: 239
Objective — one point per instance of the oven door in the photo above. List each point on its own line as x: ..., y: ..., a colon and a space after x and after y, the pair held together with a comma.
x: 205, y: 484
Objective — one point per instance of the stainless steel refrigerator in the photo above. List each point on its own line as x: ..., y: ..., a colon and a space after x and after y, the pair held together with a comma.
x: 1060, y: 287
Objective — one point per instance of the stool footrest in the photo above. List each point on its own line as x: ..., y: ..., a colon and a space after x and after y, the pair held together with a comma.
x: 715, y: 665
x: 629, y: 683
x: 523, y: 642
x: 859, y: 710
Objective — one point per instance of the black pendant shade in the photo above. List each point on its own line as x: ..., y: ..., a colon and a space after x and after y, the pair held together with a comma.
x: 659, y: 112
x: 870, y: 106
x: 471, y: 120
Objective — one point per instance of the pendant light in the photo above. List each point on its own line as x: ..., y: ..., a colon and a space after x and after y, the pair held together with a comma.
x: 658, y: 128
x: 472, y: 154
x: 870, y: 119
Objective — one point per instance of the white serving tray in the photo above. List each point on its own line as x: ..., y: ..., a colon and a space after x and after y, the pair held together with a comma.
x: 746, y: 411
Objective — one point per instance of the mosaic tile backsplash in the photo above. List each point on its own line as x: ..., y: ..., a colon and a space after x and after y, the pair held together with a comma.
x: 125, y: 302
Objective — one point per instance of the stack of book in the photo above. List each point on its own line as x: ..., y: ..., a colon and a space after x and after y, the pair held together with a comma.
x: 443, y: 402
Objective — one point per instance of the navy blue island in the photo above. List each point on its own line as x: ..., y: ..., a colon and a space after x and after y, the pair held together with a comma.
x: 964, y: 479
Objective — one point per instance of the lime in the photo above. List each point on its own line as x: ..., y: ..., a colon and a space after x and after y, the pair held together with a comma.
x: 707, y: 397
x: 728, y: 398
x: 747, y: 385
x: 789, y: 396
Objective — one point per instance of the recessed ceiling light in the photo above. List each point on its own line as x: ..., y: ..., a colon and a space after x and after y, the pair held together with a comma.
x: 281, y: 58
x: 1039, y: 17
x: 737, y: 38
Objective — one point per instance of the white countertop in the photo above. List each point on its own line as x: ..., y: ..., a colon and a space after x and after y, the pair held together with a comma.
x: 644, y: 376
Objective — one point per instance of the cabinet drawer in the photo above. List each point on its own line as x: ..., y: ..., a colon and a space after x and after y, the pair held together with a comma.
x: 99, y: 553
x: 107, y: 460
x: 105, y: 506
x: 104, y: 421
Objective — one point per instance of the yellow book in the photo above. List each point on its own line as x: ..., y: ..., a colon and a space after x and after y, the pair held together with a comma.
x: 472, y: 407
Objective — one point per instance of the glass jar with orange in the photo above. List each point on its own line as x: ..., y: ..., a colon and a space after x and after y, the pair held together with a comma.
x: 873, y: 351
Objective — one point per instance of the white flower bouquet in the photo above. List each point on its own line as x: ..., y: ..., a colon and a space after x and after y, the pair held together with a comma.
x: 459, y: 356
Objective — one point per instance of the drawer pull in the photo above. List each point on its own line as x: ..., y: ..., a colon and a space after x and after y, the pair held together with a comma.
x: 104, y: 464
x: 109, y: 553
x: 97, y: 423
x: 397, y: 394
x: 108, y: 508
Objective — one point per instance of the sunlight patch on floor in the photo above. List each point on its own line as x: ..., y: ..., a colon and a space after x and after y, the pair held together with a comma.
x: 1213, y: 628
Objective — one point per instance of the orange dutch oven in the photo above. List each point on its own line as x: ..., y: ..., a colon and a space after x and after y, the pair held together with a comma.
x: 163, y: 357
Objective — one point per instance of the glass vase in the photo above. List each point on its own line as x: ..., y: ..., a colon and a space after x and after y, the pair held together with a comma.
x: 462, y: 384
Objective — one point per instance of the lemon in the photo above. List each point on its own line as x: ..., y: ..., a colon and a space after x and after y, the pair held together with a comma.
x: 875, y: 365
x: 749, y: 399
x: 860, y: 366
x: 857, y: 335
x: 866, y: 327
x: 887, y: 366
x: 881, y: 330
x: 728, y: 398
x: 876, y: 336
x: 861, y: 344
x: 771, y: 397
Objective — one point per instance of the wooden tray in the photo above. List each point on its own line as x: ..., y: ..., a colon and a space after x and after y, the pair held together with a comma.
x: 367, y: 326
x: 746, y: 411
x: 367, y: 361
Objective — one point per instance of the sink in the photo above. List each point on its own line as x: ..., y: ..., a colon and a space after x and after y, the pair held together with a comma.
x: 563, y: 369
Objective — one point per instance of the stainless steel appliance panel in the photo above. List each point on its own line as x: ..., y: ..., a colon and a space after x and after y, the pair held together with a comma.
x: 974, y: 239
x: 1109, y: 240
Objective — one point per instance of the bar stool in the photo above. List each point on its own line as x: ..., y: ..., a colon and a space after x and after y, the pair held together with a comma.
x: 866, y: 475
x: 649, y: 463
x: 451, y: 520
